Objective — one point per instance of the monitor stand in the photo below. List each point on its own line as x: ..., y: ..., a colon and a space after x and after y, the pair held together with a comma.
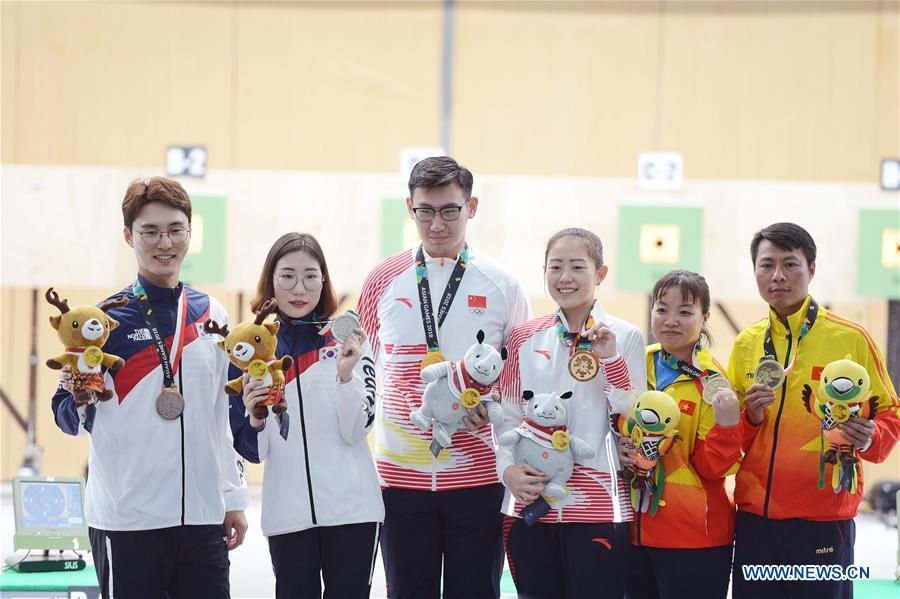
x: 45, y: 563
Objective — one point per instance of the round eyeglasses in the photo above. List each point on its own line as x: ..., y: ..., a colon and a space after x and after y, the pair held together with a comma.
x: 177, y: 236
x: 311, y: 281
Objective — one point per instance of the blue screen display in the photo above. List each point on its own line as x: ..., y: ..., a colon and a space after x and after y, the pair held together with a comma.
x: 51, y: 505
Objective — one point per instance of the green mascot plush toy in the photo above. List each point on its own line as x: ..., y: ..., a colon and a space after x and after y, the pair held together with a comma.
x: 652, y: 427
x: 83, y: 331
x: 843, y: 393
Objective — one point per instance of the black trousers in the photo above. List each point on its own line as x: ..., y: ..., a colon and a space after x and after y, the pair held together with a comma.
x: 656, y: 573
x: 344, y: 556
x: 568, y: 560
x: 760, y: 541
x: 463, y: 529
x: 177, y: 562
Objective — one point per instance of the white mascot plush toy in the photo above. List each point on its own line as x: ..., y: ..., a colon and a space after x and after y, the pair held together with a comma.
x: 543, y: 441
x: 455, y: 386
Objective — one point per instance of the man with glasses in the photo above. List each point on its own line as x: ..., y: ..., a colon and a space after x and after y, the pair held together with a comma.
x: 422, y: 306
x: 165, y: 495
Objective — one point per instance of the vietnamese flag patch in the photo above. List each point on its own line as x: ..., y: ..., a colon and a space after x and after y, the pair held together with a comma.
x: 687, y: 407
x: 817, y: 372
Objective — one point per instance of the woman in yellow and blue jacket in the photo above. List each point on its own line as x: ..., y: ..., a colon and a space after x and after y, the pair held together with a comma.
x: 693, y: 530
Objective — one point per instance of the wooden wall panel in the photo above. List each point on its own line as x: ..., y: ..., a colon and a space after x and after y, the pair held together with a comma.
x: 547, y: 92
x: 751, y: 90
x: 9, y: 63
x: 771, y: 93
x: 113, y: 83
x: 325, y: 87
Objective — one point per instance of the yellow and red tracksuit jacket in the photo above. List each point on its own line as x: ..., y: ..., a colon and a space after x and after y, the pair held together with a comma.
x: 778, y: 477
x: 698, y: 513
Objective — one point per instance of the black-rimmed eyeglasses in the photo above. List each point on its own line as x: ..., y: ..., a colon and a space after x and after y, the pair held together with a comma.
x: 426, y: 214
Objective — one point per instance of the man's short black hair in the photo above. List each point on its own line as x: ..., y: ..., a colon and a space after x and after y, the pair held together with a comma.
x: 786, y: 236
x: 438, y: 171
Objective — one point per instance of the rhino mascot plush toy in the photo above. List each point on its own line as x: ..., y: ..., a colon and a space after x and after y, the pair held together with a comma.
x: 455, y: 386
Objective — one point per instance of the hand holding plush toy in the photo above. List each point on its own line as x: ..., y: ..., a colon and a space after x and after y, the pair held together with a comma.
x: 652, y: 427
x: 83, y: 331
x: 454, y: 387
x: 843, y: 393
x: 251, y: 347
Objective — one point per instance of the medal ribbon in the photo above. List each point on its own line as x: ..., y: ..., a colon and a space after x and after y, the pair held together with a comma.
x: 171, y: 359
x: 574, y: 340
x: 812, y: 312
x: 425, y: 305
x: 699, y: 377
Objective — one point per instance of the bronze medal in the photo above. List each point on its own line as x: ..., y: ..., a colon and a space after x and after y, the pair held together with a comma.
x: 432, y: 357
x: 713, y: 386
x: 583, y: 365
x: 170, y: 404
x: 769, y: 373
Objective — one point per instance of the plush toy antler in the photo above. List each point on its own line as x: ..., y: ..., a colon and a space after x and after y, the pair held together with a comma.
x: 212, y: 327
x: 53, y: 298
x: 267, y: 308
x: 117, y: 302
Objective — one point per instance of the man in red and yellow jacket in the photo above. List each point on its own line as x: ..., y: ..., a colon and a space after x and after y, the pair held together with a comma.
x: 783, y: 516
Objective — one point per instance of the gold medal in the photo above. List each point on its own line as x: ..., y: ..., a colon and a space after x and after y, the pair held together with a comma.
x: 170, y: 404
x: 258, y: 369
x: 432, y: 357
x: 560, y: 440
x: 769, y: 373
x: 637, y: 436
x: 583, y: 365
x: 840, y: 412
x: 470, y: 398
x: 713, y: 386
x: 93, y: 356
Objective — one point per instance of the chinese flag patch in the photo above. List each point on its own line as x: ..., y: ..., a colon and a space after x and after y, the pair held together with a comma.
x: 687, y: 407
x: 478, y: 301
x: 817, y: 372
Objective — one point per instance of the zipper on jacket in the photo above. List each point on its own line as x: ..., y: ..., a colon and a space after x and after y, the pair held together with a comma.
x: 784, y: 385
x: 639, y: 514
x: 181, y: 422
x: 312, y: 503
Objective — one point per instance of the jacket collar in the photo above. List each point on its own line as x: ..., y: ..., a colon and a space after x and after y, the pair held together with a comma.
x: 159, y: 293
x: 795, y: 320
x: 597, y: 312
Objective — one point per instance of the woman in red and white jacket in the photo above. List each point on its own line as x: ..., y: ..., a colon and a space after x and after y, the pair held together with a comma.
x: 579, y: 548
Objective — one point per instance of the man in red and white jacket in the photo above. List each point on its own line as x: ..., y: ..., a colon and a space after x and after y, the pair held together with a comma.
x: 429, y: 303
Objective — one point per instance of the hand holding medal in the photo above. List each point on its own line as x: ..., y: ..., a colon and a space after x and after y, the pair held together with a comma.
x: 603, y: 340
x: 350, y: 354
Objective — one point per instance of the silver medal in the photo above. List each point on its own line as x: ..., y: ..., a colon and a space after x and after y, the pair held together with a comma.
x: 343, y: 326
x: 714, y: 385
x: 170, y: 404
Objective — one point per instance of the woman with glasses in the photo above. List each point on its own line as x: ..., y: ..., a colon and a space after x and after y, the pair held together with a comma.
x: 321, y: 501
